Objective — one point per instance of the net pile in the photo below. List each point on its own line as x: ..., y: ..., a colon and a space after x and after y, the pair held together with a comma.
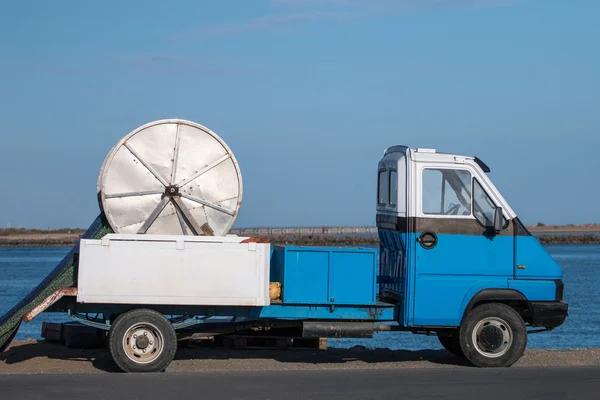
x: 62, y: 276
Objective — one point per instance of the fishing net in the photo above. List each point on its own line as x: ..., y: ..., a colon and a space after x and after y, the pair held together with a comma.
x: 63, y: 276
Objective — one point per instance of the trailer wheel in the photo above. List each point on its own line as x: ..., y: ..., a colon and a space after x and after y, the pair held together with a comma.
x: 493, y: 335
x: 451, y: 342
x: 142, y: 340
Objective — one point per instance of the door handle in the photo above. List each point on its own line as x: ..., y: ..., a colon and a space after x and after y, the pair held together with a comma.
x: 428, y: 240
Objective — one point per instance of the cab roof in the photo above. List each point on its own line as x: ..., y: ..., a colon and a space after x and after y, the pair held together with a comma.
x: 426, y: 154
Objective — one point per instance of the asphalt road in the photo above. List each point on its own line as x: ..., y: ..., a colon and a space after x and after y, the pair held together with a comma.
x: 511, y: 383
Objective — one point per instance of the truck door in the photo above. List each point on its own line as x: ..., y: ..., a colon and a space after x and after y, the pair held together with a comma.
x: 457, y: 255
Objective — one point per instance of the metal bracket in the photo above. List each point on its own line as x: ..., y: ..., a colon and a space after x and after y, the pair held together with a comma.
x: 105, y: 326
x: 49, y: 301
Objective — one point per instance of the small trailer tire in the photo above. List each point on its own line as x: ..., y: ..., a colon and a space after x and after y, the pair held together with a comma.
x: 142, y: 340
x: 451, y: 342
x: 493, y: 335
x: 78, y: 336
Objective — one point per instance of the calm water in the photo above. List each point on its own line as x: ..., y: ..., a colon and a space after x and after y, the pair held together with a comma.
x: 21, y: 269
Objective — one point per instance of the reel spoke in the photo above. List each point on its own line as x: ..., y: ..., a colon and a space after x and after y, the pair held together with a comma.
x: 187, y: 215
x: 204, y: 170
x: 133, y: 194
x: 145, y: 164
x: 209, y: 204
x: 155, y: 213
x: 176, y: 153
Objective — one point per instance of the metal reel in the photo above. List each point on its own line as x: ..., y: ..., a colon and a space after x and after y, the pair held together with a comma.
x: 170, y: 177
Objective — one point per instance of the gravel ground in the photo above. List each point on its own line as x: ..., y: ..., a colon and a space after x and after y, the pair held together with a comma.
x: 33, y: 357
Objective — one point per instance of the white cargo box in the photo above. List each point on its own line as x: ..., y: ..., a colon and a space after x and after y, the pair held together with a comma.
x: 181, y: 270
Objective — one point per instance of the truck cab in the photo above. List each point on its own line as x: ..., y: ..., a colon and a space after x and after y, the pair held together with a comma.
x: 456, y: 259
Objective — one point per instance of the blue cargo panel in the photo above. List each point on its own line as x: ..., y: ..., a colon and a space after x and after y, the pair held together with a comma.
x: 326, y: 275
x: 352, y: 277
x: 305, y: 276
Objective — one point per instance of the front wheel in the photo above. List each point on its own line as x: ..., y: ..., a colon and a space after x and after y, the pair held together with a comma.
x: 493, y: 335
x: 142, y: 340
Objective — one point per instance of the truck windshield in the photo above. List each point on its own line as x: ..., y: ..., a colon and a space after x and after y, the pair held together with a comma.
x: 483, y: 206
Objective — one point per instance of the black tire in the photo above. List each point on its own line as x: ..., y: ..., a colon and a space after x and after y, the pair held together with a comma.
x: 493, y: 335
x: 157, y: 340
x: 79, y: 336
x: 451, y: 342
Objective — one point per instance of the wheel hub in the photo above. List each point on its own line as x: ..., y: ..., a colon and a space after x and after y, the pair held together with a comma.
x: 142, y: 342
x: 491, y: 337
x: 172, y: 190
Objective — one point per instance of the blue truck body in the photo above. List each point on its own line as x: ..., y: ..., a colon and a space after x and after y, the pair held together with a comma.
x: 345, y: 282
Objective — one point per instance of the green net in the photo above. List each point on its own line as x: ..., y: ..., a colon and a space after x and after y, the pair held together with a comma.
x: 63, y: 276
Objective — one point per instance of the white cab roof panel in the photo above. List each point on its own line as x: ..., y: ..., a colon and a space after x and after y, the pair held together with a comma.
x: 431, y: 155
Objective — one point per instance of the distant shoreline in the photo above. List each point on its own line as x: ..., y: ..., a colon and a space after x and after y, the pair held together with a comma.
x: 582, y: 234
x: 564, y: 228
x: 38, y: 238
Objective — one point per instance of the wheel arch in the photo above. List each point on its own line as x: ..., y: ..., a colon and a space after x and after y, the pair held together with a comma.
x: 510, y: 297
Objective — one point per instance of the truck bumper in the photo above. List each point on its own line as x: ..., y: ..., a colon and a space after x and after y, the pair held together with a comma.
x: 548, y: 314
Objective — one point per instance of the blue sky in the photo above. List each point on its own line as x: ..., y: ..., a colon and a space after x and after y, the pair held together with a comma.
x: 307, y: 93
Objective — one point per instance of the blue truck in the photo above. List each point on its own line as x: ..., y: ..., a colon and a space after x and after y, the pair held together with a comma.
x: 454, y: 260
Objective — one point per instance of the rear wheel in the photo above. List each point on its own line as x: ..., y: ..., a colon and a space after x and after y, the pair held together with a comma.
x: 451, y: 342
x: 142, y: 340
x: 493, y: 335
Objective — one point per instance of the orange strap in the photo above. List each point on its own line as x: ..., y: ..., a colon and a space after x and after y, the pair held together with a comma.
x: 255, y: 240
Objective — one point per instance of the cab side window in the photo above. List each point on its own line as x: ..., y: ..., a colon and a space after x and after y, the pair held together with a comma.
x: 393, y: 187
x: 381, y: 187
x: 446, y: 192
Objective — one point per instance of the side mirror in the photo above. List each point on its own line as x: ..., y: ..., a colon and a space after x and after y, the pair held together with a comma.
x: 498, y: 220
